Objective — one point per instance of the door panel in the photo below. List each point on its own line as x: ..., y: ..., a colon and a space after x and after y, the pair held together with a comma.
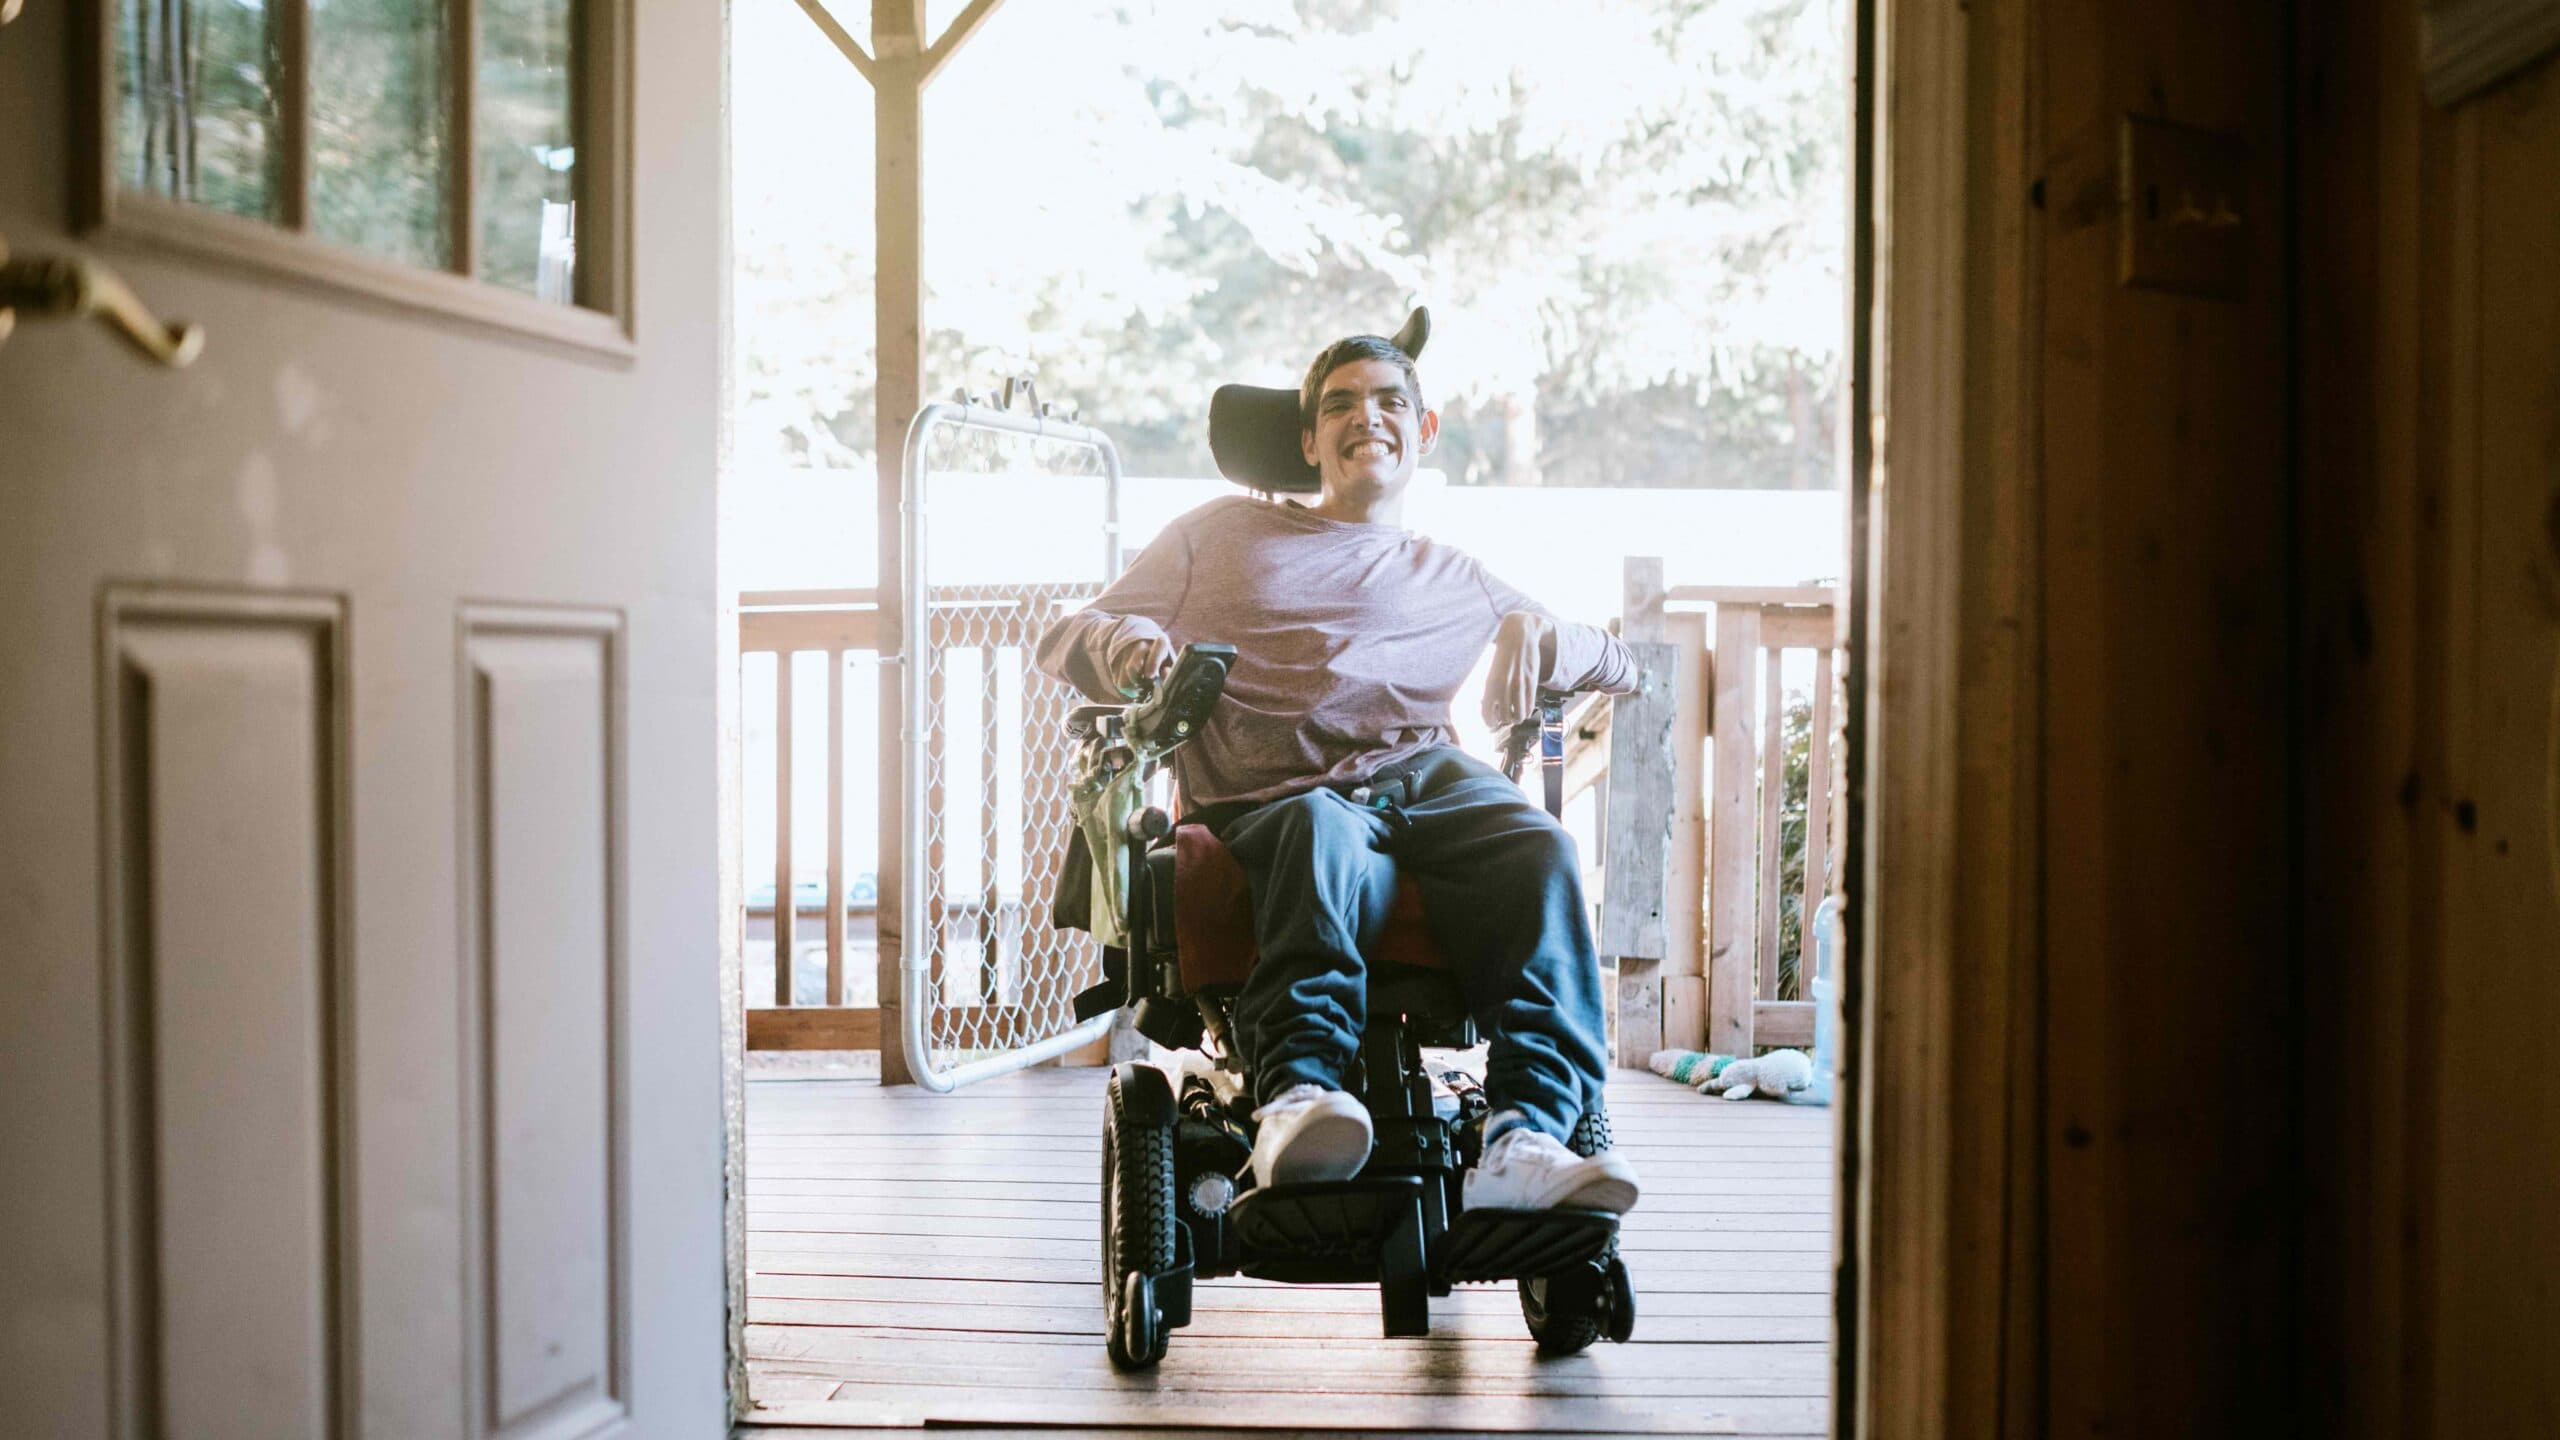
x: 224, y: 972
x: 529, y: 1236
x: 550, y: 1228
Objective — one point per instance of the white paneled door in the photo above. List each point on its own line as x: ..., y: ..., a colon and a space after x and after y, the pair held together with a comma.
x: 359, y: 1036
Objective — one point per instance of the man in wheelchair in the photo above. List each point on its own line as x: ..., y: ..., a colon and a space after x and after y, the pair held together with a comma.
x: 1309, y: 733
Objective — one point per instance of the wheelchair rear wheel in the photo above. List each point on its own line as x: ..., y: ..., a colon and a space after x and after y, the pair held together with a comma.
x: 1137, y: 1213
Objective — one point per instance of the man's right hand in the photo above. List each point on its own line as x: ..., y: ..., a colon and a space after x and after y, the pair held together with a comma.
x: 1137, y: 662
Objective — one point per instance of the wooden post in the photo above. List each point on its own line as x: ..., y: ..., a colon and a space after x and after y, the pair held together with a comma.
x: 1635, y: 845
x: 897, y: 80
x: 1730, y: 983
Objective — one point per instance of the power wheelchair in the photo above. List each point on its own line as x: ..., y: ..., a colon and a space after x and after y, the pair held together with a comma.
x: 1173, y: 913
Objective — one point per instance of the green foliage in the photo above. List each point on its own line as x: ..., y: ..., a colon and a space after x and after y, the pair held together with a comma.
x: 1798, y: 748
x: 1630, y: 234
x: 197, y: 81
x: 1793, y: 805
x: 524, y: 133
x: 378, y: 145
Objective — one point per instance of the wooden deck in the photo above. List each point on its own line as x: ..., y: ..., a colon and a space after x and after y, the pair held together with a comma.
x: 919, y: 1259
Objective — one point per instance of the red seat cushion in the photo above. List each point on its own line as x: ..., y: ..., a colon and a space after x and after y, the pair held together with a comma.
x: 1213, y: 917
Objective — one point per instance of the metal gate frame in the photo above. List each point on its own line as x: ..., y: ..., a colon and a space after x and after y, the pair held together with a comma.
x: 915, y: 641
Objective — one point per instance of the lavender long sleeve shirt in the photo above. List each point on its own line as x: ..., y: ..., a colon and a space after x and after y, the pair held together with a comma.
x: 1351, y: 639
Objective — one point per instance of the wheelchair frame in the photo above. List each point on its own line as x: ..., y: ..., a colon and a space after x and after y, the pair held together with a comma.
x: 1178, y: 1201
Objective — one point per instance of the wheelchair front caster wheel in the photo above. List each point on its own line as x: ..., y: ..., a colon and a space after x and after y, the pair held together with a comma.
x: 1622, y: 1303
x: 1138, y: 1331
x: 1573, y: 1310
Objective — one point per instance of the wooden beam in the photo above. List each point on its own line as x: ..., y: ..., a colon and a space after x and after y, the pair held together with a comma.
x: 814, y: 1027
x: 1800, y: 627
x: 1783, y: 1022
x: 843, y: 39
x: 955, y: 36
x: 1752, y: 595
x: 789, y: 630
x: 864, y: 599
x: 1640, y: 599
x: 898, y: 328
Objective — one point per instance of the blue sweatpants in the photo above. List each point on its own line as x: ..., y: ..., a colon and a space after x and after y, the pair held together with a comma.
x: 1502, y: 889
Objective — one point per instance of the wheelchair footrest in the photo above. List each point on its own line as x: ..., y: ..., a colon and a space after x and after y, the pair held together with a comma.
x: 1507, y: 1244
x: 1325, y: 1232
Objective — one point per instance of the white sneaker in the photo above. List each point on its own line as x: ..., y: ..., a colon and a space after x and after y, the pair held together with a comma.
x: 1527, y: 1169
x: 1308, y: 1133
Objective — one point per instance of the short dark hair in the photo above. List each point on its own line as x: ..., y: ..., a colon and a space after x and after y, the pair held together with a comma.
x: 1348, y: 351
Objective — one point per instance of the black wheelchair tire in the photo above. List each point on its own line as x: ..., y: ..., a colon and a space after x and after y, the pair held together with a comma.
x: 1566, y: 1312
x: 1570, y: 1312
x: 1138, y: 1332
x: 1137, y: 1218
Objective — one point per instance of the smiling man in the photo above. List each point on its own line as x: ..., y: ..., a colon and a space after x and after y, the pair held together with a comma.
x: 1330, y: 768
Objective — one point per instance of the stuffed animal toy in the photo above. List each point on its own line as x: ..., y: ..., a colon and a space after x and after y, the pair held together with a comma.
x: 1773, y: 1075
x: 1686, y: 1067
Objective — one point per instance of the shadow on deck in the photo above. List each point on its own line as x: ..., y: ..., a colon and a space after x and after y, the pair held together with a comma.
x: 918, y: 1259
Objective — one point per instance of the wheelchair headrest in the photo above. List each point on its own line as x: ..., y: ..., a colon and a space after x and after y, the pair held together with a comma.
x: 1254, y: 429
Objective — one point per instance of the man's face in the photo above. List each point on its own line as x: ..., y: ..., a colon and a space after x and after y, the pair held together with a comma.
x: 1369, y: 433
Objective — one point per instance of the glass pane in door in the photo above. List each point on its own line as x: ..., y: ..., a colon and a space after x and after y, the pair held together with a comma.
x: 378, y: 146
x: 196, y: 81
x: 525, y: 170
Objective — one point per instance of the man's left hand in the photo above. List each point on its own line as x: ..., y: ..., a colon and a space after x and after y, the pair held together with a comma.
x: 1523, y: 651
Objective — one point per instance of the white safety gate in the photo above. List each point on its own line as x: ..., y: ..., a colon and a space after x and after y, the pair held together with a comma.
x: 986, y: 985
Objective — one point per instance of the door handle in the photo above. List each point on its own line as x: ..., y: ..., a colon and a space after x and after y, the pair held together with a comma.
x: 72, y: 286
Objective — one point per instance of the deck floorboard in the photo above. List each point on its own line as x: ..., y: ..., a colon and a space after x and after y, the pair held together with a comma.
x: 918, y: 1260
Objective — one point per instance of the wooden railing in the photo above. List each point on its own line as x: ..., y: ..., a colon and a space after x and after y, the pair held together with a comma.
x: 785, y: 623
x: 1694, y: 815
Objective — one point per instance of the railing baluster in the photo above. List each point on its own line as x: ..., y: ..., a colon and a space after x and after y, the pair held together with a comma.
x: 1773, y: 789
x: 835, y: 827
x: 1731, y: 984
x: 784, y: 911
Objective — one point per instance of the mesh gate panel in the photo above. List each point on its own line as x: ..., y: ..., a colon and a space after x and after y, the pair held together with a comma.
x: 995, y: 777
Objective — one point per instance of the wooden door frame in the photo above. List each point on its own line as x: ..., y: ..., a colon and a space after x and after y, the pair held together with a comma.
x: 1938, y: 1331
x: 1940, y: 1321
